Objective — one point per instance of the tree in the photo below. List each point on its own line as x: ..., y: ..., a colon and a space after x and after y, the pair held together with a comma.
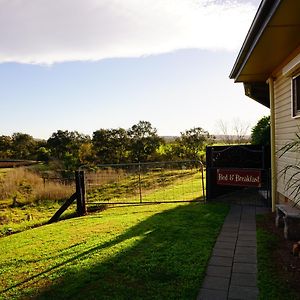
x: 240, y: 130
x: 144, y: 141
x: 5, y: 146
x: 260, y: 134
x: 65, y: 145
x: 110, y: 145
x: 234, y: 132
x: 224, y: 130
x: 193, y: 141
x: 23, y: 146
x: 86, y: 154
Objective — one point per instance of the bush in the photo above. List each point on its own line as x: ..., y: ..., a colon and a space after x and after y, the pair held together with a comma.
x: 261, y: 132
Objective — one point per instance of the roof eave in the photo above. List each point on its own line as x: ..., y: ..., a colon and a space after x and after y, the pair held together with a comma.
x: 265, y: 12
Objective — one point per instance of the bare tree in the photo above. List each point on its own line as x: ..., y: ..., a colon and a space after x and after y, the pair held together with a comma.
x: 240, y: 130
x: 224, y: 131
x: 234, y: 132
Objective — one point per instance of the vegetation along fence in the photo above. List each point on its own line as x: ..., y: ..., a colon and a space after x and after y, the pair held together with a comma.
x: 155, y: 182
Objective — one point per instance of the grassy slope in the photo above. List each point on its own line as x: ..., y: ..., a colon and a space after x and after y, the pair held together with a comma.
x: 160, y: 186
x: 148, y: 252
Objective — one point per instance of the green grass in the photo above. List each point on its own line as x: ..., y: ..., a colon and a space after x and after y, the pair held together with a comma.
x: 155, y: 186
x: 271, y: 285
x: 16, y: 219
x: 146, y: 252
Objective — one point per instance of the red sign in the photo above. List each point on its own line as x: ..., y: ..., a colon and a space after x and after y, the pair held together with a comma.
x: 239, y: 177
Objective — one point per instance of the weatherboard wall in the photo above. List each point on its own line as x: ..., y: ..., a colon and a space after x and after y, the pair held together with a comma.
x: 285, y: 129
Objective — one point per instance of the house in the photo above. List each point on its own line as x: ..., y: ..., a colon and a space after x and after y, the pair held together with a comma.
x: 268, y: 65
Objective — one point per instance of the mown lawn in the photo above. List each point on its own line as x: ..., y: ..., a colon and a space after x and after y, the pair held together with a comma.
x: 146, y: 252
x: 169, y: 185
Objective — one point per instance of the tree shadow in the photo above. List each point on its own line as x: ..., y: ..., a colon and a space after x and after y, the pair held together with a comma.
x: 166, y: 259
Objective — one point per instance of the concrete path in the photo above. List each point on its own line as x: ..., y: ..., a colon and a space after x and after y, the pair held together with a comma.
x: 232, y: 269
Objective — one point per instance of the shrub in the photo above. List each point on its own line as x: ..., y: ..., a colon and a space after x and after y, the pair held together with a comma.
x: 261, y: 132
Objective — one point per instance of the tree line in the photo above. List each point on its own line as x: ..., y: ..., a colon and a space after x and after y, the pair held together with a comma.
x: 140, y: 143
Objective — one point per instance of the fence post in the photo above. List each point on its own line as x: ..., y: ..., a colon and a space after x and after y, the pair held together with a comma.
x: 202, y: 180
x: 140, y: 186
x: 80, y: 192
x: 83, y: 194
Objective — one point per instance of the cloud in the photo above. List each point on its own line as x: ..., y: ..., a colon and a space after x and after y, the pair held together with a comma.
x: 49, y: 31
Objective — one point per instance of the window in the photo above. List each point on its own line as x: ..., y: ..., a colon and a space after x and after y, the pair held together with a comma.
x: 296, y: 95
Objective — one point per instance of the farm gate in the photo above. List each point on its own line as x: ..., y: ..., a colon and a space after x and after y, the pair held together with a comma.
x: 230, y: 168
x: 135, y: 183
x: 145, y: 183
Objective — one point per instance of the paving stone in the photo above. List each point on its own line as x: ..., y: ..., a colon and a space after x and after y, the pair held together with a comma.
x: 216, y: 283
x: 247, y: 232
x: 245, y: 293
x: 206, y: 294
x: 231, y: 230
x: 249, y: 243
x: 228, y: 234
x: 231, y: 224
x: 246, y: 237
x: 247, y: 223
x: 234, y: 259
x: 224, y: 245
x: 243, y: 279
x: 245, y: 258
x: 245, y: 250
x: 220, y: 261
x: 218, y: 271
x: 247, y: 227
x: 244, y: 268
x: 226, y: 239
x: 223, y: 252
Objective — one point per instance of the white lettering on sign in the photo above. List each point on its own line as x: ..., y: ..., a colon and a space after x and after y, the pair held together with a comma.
x: 239, y: 177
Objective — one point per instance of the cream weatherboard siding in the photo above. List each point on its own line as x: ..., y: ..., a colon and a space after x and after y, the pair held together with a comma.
x: 285, y: 128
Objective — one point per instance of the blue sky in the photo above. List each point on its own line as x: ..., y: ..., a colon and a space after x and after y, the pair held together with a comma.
x: 75, y: 76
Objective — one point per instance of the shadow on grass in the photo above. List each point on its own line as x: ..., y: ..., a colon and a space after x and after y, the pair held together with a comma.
x: 166, y: 259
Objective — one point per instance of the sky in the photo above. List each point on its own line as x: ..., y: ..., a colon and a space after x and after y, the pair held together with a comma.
x: 85, y: 65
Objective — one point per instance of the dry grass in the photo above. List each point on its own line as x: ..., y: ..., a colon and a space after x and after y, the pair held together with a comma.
x: 23, y: 186
x: 104, y: 176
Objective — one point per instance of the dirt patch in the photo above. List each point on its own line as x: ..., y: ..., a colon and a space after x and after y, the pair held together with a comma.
x: 287, y: 265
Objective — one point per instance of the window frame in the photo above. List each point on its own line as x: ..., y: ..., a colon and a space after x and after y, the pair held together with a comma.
x: 295, y: 85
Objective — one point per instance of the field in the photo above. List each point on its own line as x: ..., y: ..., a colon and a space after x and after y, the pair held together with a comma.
x: 27, y: 201
x: 156, y: 186
x: 145, y: 252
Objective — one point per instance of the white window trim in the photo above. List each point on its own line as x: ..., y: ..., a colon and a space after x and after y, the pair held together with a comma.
x: 291, y: 70
x: 291, y: 67
x: 295, y: 115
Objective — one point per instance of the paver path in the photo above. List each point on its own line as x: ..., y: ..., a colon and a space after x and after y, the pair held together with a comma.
x: 232, y: 269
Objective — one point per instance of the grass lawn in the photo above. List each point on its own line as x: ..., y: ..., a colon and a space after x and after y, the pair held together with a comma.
x: 16, y: 219
x: 145, y: 252
x: 155, y: 187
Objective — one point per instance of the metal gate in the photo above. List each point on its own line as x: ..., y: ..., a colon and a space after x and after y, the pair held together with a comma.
x: 145, y: 183
x: 231, y: 168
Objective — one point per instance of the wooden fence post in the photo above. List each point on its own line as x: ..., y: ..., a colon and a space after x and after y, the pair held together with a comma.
x: 83, y: 195
x: 80, y: 191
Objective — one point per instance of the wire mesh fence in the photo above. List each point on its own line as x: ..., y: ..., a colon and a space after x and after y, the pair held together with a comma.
x: 156, y: 182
